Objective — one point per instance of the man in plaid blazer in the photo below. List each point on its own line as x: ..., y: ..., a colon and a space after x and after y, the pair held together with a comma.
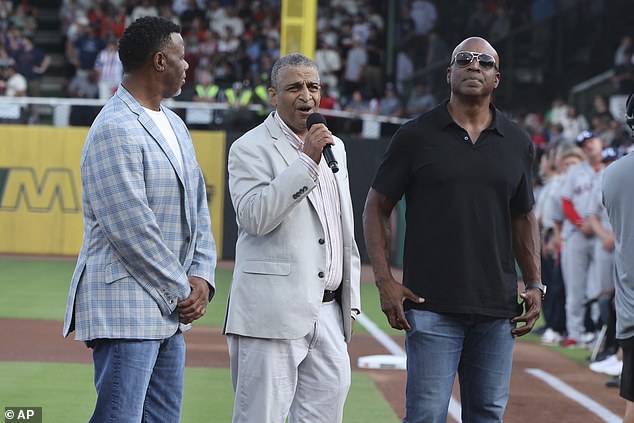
x: 145, y: 269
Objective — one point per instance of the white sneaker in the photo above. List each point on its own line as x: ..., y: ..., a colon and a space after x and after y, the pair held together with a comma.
x: 615, y: 369
x: 550, y: 337
x: 611, y: 363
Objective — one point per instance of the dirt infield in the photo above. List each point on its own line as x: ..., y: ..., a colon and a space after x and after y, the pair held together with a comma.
x: 532, y: 400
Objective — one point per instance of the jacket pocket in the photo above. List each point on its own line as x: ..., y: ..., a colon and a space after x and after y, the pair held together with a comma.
x: 115, y: 271
x: 267, y: 268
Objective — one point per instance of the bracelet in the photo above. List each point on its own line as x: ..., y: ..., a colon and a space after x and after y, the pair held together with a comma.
x: 538, y: 285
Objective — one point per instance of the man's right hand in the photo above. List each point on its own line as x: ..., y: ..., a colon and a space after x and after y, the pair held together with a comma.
x: 393, y: 294
x: 317, y: 137
x: 195, y: 306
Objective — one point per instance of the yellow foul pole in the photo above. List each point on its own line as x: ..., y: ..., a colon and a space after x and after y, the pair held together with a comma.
x: 299, y: 27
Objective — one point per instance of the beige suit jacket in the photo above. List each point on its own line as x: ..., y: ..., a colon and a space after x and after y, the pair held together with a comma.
x: 278, y: 280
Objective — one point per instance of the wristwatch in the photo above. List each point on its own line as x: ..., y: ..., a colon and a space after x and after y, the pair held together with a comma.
x: 538, y: 285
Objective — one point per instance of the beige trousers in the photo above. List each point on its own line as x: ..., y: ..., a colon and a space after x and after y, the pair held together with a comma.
x: 306, y: 379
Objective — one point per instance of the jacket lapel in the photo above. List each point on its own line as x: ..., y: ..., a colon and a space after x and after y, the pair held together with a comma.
x: 286, y: 150
x: 153, y: 130
x: 279, y: 140
x: 146, y: 121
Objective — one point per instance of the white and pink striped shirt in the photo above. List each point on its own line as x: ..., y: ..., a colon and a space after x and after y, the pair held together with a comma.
x: 325, y: 197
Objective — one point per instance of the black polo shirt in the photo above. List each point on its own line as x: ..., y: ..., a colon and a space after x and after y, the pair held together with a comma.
x: 460, y: 198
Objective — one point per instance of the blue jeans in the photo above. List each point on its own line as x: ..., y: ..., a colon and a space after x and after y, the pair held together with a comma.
x: 139, y: 380
x: 479, y: 348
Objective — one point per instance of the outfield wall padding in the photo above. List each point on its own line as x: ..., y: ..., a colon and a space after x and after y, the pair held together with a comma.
x: 40, y: 187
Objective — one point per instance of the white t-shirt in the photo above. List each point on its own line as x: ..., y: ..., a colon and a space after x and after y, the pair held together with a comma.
x: 15, y: 84
x: 166, y: 129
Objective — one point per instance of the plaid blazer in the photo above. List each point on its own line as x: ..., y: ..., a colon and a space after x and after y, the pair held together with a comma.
x: 146, y: 227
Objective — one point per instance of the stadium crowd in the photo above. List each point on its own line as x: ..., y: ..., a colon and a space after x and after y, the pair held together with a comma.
x: 231, y: 46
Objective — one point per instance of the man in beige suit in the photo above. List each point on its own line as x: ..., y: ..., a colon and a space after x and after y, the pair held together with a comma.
x: 295, y: 288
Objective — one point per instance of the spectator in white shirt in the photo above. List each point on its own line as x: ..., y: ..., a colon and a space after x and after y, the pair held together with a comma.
x: 329, y: 64
x: 12, y: 84
x: 146, y: 8
x: 15, y: 84
x: 108, y: 67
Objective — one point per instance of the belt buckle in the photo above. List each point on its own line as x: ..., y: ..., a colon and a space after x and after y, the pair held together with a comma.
x: 328, y: 296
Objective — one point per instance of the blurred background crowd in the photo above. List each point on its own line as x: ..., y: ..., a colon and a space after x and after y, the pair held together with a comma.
x: 375, y: 56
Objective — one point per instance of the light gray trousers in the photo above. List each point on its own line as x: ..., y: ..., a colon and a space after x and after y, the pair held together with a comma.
x: 306, y: 379
x: 580, y: 279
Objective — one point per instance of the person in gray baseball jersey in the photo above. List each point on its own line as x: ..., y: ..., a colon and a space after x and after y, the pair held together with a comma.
x: 618, y: 198
x: 603, y: 268
x: 550, y: 217
x: 577, y: 235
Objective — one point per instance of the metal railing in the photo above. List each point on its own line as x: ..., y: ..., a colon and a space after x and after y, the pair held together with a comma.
x: 59, y: 110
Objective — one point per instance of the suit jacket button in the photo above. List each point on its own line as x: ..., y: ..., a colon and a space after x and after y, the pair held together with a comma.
x: 320, y: 274
x: 322, y: 241
x: 187, y: 239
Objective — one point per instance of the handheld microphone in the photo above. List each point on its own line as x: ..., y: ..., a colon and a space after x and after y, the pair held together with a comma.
x: 314, y: 118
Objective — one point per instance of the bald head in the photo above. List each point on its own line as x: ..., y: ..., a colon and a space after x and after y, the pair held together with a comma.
x: 476, y: 44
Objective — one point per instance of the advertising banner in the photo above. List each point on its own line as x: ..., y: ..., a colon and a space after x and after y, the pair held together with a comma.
x: 40, y: 187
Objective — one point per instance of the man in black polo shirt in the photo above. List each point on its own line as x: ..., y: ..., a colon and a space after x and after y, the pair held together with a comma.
x: 465, y: 172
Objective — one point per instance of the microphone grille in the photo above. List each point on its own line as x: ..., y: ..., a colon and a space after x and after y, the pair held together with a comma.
x: 314, y: 118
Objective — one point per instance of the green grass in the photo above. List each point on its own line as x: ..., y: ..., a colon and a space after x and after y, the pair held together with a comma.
x: 35, y: 289
x: 66, y: 394
x: 64, y: 391
x: 38, y: 289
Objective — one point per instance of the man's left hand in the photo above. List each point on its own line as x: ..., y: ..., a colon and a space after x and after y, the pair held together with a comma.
x: 533, y: 304
x: 194, y: 307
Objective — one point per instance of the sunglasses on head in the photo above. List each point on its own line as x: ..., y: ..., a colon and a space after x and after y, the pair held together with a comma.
x: 464, y: 58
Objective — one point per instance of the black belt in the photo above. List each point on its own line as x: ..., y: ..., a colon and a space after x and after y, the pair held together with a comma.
x: 328, y: 296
